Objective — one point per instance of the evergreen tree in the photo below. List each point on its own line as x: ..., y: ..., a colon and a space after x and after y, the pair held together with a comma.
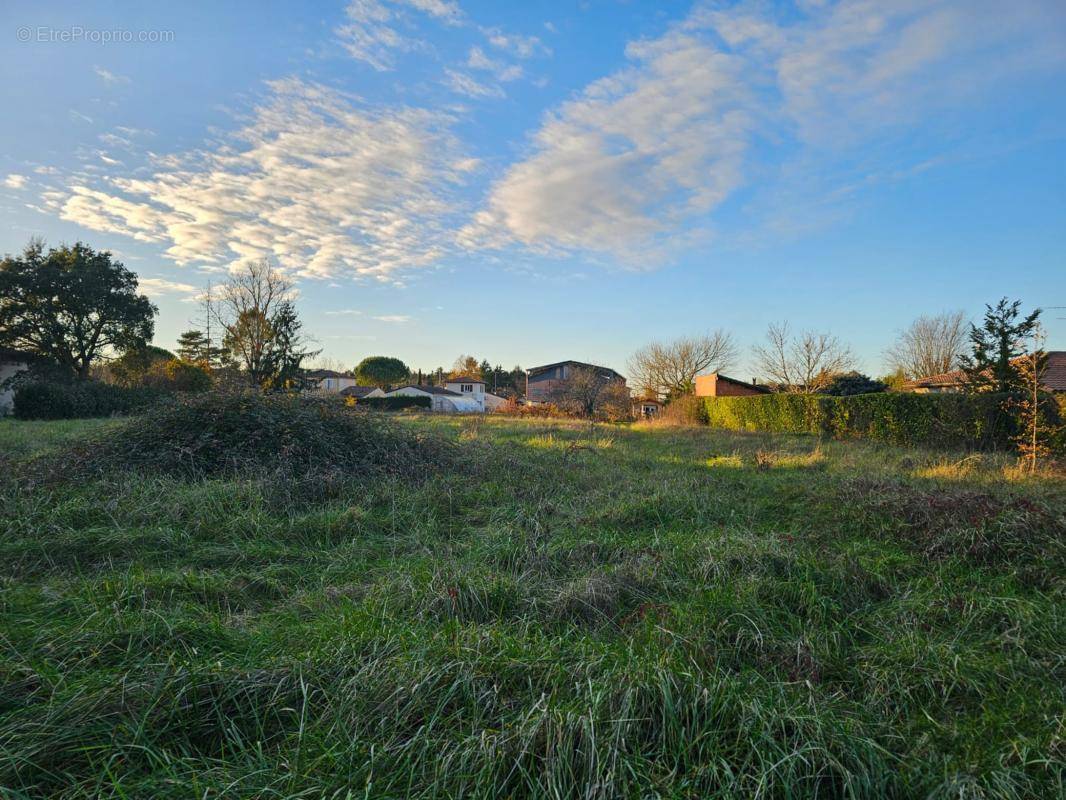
x: 997, y: 343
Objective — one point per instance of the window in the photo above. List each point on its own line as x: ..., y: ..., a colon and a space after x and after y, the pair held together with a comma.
x: 466, y: 387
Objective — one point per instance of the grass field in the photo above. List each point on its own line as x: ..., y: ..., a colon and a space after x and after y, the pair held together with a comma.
x: 572, y: 611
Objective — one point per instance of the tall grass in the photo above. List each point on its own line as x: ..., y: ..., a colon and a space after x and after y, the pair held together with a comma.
x: 581, y: 611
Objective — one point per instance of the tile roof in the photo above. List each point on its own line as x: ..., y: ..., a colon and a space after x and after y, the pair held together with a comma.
x: 357, y: 391
x: 324, y: 373
x: 1054, y: 375
x: 428, y: 390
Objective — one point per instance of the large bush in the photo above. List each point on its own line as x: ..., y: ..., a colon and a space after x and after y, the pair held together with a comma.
x: 78, y: 399
x: 928, y: 420
x: 236, y: 433
x: 396, y: 403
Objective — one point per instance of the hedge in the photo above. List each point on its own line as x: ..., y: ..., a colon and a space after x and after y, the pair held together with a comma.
x: 74, y: 400
x: 395, y: 403
x: 926, y: 420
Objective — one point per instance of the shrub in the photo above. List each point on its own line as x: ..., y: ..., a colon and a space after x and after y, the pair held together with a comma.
x: 929, y: 420
x: 685, y: 409
x: 79, y: 399
x: 209, y: 434
x: 849, y: 383
x: 395, y: 403
x: 176, y: 375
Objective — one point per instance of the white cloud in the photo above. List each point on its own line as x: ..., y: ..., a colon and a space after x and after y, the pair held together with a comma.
x: 516, y: 44
x: 629, y: 159
x: 397, y: 318
x: 343, y: 312
x: 314, y: 181
x: 638, y: 161
x: 109, y: 77
x: 377, y: 28
x: 467, y: 85
x: 14, y: 181
x: 503, y: 72
x: 160, y: 287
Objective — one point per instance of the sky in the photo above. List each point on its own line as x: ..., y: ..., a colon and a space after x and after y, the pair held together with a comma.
x: 532, y: 182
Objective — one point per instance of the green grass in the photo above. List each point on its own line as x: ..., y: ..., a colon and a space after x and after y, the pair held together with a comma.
x: 582, y: 611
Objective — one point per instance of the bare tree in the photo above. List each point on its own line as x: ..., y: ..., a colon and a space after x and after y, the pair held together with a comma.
x: 668, y: 369
x: 585, y: 391
x: 805, y: 363
x: 930, y: 346
x: 255, y: 309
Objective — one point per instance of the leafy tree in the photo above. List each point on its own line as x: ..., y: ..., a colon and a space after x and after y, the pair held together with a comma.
x: 176, y: 375
x: 71, y: 305
x: 130, y: 368
x: 849, y: 383
x: 996, y: 344
x: 380, y: 371
x: 465, y: 365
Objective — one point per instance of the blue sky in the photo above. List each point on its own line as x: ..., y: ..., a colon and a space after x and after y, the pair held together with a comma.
x: 529, y: 182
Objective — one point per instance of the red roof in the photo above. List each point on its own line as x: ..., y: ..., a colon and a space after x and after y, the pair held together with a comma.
x: 1054, y: 376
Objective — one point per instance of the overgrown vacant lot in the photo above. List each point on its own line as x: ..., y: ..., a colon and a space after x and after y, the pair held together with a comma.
x: 559, y: 610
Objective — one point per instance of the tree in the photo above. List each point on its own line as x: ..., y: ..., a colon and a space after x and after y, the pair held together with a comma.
x: 287, y: 351
x: 380, y: 371
x: 585, y: 390
x: 176, y: 375
x: 131, y: 367
x: 996, y: 344
x: 465, y: 365
x: 261, y: 330
x: 71, y: 305
x: 1034, y: 429
x: 195, y: 347
x: 930, y: 346
x: 806, y: 363
x: 849, y: 383
x: 669, y: 369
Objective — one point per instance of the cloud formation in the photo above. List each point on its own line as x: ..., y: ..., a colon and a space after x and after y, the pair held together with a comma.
x: 638, y: 159
x: 160, y: 287
x: 315, y: 181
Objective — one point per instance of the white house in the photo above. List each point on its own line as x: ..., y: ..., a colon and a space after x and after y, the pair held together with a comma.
x: 11, y: 362
x: 441, y: 398
x: 328, y: 380
x: 360, y: 392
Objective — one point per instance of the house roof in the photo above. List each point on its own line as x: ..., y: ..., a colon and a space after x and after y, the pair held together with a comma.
x: 747, y: 385
x: 325, y: 373
x: 428, y: 390
x: 1054, y: 376
x: 545, y: 367
x: 357, y: 391
x: 464, y: 379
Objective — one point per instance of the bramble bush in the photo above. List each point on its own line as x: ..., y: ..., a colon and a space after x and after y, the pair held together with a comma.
x: 924, y: 420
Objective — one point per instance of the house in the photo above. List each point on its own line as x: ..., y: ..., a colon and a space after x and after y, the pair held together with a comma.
x: 647, y: 407
x: 474, y: 388
x: 328, y: 380
x: 12, y: 362
x: 542, y: 383
x: 441, y: 398
x: 719, y: 385
x: 1054, y: 379
x: 361, y: 392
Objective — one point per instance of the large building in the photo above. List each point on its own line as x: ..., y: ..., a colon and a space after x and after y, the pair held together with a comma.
x: 544, y: 382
